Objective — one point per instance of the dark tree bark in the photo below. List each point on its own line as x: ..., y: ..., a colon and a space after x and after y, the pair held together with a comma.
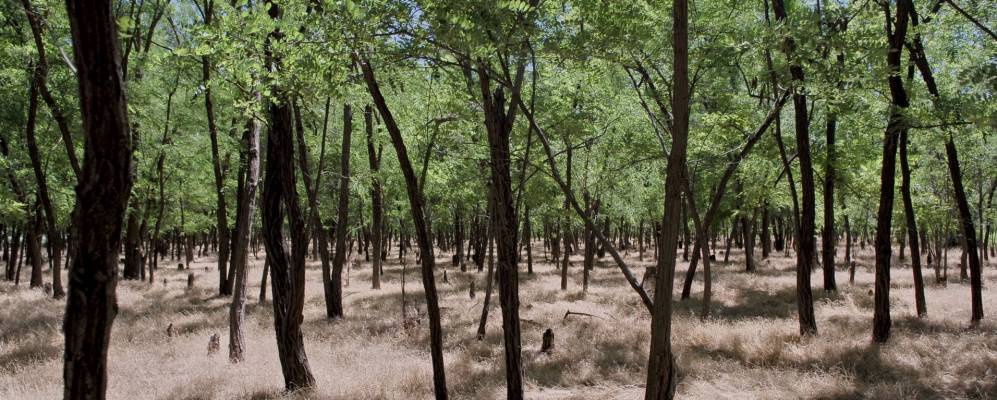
x: 766, y: 235
x: 828, y: 240
x: 41, y: 81
x: 968, y: 234
x: 377, y: 203
x: 805, y: 229
x: 952, y: 157
x: 896, y: 32
x: 287, y: 271
x: 335, y: 309
x: 499, y: 121
x: 911, y: 222
x: 661, y: 370
x: 54, y: 236
x: 422, y: 229
x: 102, y: 196
x: 249, y: 167
x: 221, y: 212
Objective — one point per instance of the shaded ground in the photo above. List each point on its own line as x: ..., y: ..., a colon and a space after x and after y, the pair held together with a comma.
x: 750, y: 348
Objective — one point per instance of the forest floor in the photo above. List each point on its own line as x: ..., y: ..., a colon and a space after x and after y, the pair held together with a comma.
x: 749, y: 348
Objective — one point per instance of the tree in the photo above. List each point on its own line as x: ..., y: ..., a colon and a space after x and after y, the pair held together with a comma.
x: 421, y: 228
x: 342, y: 223
x: 661, y: 372
x: 287, y: 271
x: 896, y: 32
x: 102, y: 196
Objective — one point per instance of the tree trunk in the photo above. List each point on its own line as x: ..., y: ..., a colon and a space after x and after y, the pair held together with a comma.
x: 421, y: 228
x: 807, y: 215
x: 54, y: 237
x: 102, y: 196
x: 221, y: 224
x: 661, y: 369
x: 499, y: 123
x: 968, y: 233
x: 911, y: 222
x: 287, y: 272
x: 377, y: 202
x: 335, y: 309
x: 895, y: 128
x: 828, y: 240
x: 249, y: 179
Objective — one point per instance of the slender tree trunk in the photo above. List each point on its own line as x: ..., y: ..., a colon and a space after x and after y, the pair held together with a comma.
x: 377, y: 201
x: 828, y: 240
x: 422, y: 231
x: 661, y: 370
x: 102, y: 196
x: 54, y: 237
x: 968, y: 233
x: 895, y: 128
x: 335, y: 309
x: 911, y: 222
x: 221, y: 225
x: 249, y: 178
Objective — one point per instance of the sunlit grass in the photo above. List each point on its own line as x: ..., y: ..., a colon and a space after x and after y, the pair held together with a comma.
x: 750, y: 348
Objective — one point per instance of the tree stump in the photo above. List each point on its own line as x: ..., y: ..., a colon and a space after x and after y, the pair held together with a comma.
x: 445, y: 279
x: 214, y: 344
x: 471, y: 289
x: 190, y: 281
x: 548, y: 342
x: 180, y: 267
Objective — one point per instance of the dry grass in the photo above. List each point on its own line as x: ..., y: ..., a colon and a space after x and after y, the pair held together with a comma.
x: 749, y: 349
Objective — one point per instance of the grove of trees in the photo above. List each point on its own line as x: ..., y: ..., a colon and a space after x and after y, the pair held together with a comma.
x: 135, y: 131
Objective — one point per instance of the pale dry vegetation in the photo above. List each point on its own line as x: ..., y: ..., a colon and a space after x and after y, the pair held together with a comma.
x: 751, y: 347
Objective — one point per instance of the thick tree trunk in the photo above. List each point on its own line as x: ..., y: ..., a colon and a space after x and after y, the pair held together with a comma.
x: 287, y: 272
x: 102, y: 196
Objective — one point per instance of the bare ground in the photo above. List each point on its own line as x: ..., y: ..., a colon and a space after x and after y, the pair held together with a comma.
x: 750, y: 348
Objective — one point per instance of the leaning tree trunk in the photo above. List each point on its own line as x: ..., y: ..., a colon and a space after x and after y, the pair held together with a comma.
x: 968, y: 234
x: 421, y: 227
x: 102, y: 196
